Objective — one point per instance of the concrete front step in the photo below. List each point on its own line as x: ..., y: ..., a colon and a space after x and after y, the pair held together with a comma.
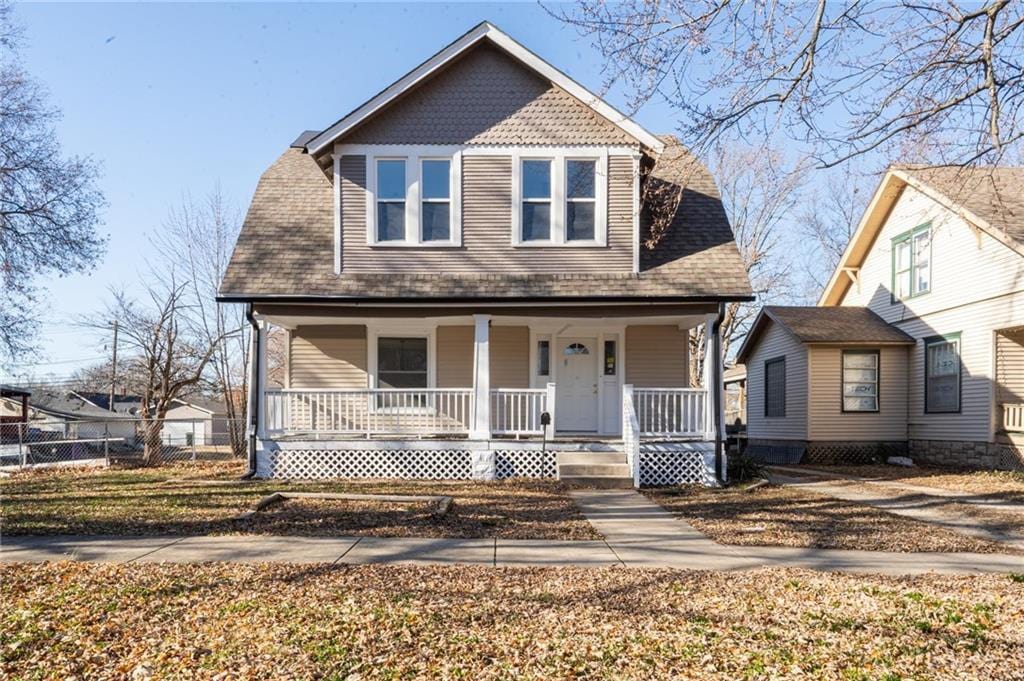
x: 565, y: 458
x: 577, y: 469
x: 599, y: 481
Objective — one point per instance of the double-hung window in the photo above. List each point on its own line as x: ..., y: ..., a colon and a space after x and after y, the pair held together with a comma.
x: 414, y: 196
x: 560, y: 200
x: 942, y: 374
x: 391, y: 193
x: 911, y: 263
x: 436, y: 200
x: 860, y: 380
x: 536, y: 207
x: 580, y: 200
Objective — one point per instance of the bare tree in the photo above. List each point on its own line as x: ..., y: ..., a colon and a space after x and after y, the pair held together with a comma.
x: 828, y: 219
x: 195, y: 244
x: 170, y: 361
x: 943, y: 79
x: 49, y: 203
x: 760, y: 191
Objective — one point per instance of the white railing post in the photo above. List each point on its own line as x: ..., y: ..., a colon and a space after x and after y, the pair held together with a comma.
x: 549, y: 407
x: 261, y: 383
x: 631, y: 433
x: 481, y: 426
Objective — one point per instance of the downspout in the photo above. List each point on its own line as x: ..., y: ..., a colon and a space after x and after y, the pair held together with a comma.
x: 254, y: 397
x: 717, y: 378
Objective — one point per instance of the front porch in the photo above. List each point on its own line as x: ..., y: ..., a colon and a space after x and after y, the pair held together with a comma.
x: 494, y: 395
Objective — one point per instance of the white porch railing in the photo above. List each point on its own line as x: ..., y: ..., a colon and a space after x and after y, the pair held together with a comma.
x: 631, y: 433
x: 384, y: 411
x: 1013, y: 418
x: 517, y: 411
x: 670, y: 412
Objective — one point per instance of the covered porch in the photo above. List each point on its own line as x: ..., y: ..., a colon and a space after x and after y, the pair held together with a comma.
x: 1009, y: 388
x: 575, y: 377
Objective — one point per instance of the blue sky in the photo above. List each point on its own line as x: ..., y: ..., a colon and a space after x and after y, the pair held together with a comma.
x: 173, y: 98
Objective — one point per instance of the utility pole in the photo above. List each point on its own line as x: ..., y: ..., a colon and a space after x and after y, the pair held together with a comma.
x: 113, y: 369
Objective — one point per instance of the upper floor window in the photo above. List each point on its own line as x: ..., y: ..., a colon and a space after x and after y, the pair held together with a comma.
x: 560, y: 200
x: 911, y: 263
x: 413, y: 198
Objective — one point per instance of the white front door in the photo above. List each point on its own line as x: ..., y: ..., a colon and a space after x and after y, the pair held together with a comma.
x: 576, y: 385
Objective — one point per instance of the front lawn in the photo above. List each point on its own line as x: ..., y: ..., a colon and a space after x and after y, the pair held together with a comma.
x: 76, y: 620
x: 1005, y: 485
x: 783, y: 516
x: 173, y: 500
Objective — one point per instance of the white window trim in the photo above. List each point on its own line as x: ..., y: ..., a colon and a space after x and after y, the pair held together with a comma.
x: 373, y: 334
x: 559, y: 206
x: 413, y: 157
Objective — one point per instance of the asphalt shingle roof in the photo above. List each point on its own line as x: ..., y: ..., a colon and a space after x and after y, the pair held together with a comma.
x: 995, y: 194
x: 836, y: 325
x: 286, y: 248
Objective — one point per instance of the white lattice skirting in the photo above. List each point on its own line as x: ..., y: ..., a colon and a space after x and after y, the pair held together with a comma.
x: 402, y: 464
x: 524, y: 463
x: 677, y: 464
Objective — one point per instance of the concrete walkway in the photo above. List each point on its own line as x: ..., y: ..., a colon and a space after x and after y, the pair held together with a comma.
x: 919, y: 505
x: 638, y: 533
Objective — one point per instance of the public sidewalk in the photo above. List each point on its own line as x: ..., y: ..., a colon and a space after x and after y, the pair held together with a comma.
x: 638, y: 533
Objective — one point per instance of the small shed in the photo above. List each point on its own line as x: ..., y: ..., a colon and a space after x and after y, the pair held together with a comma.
x: 825, y: 384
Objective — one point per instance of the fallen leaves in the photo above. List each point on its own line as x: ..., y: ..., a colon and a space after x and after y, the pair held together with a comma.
x: 277, y: 621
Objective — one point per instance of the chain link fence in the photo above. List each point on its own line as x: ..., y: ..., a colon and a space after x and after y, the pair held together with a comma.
x: 56, y: 442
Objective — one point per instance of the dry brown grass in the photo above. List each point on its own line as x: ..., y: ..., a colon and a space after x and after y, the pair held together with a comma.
x: 74, y: 620
x: 783, y: 516
x: 997, y: 484
x: 173, y: 501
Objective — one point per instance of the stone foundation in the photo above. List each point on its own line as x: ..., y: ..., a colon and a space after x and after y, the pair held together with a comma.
x: 983, y: 455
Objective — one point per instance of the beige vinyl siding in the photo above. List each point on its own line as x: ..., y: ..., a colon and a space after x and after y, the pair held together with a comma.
x: 977, y: 288
x: 454, y: 356
x: 487, y: 228
x: 977, y: 324
x: 826, y: 419
x: 327, y: 357
x: 657, y: 356
x: 510, y: 356
x: 1010, y: 367
x: 778, y: 342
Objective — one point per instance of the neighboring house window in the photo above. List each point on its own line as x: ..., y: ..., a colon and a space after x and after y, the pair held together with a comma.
x: 413, y: 196
x: 401, y: 362
x: 860, y: 380
x: 942, y: 369
x: 536, y: 206
x: 775, y: 388
x: 581, y: 200
x: 560, y: 200
x: 436, y: 209
x: 911, y: 263
x: 391, y: 190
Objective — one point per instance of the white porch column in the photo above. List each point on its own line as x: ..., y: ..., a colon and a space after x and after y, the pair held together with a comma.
x: 712, y: 368
x: 481, y: 426
x: 261, y: 383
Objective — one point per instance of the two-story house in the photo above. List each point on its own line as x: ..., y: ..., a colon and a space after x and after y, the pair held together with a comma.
x: 473, y: 284
x: 917, y: 343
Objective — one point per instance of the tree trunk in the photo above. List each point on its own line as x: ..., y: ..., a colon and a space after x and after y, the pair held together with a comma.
x: 152, y: 432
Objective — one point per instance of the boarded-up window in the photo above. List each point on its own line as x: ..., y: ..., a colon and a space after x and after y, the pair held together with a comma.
x: 860, y: 380
x: 775, y: 388
x: 942, y: 374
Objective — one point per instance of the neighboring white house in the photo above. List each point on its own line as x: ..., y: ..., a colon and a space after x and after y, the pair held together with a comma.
x: 196, y: 421
x: 938, y: 259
